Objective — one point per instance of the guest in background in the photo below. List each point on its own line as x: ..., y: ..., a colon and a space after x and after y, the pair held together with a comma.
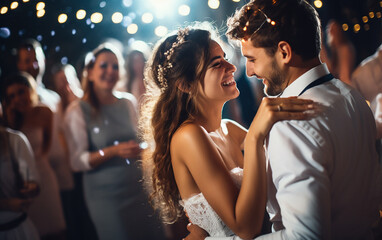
x: 31, y: 59
x: 340, y: 54
x: 135, y: 68
x: 18, y: 186
x: 67, y: 85
x: 23, y: 112
x: 104, y: 144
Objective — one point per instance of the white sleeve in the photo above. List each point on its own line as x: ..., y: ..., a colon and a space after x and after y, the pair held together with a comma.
x: 23, y: 153
x: 299, y: 161
x: 376, y: 107
x: 77, y: 138
x: 222, y: 238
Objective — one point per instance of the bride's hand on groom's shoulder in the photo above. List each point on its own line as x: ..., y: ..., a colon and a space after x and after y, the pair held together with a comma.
x: 196, y: 233
x: 272, y: 110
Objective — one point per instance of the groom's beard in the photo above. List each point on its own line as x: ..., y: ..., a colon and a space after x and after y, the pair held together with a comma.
x: 275, y: 81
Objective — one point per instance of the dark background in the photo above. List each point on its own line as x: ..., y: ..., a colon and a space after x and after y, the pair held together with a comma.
x: 69, y: 42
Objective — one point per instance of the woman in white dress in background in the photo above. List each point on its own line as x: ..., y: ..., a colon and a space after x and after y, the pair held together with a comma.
x: 23, y: 112
x: 197, y: 160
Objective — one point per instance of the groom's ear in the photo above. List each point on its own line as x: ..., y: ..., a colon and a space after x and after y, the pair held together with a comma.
x: 285, y: 52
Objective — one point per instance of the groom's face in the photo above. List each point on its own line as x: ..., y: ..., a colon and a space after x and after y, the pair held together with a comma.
x: 264, y: 67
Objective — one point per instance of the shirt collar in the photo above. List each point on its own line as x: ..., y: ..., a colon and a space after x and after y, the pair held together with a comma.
x: 296, y: 87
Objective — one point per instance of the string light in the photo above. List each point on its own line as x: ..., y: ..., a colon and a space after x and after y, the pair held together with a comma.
x: 40, y: 13
x: 96, y: 17
x: 62, y: 18
x: 80, y: 14
x: 40, y: 6
x: 4, y: 10
x: 356, y: 25
x: 14, y: 5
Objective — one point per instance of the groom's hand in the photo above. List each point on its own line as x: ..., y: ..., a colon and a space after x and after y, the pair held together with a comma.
x: 196, y: 233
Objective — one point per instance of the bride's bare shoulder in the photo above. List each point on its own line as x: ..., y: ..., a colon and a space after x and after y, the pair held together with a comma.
x: 188, y: 133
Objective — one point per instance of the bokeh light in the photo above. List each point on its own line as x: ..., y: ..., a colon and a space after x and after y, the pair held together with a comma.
x: 161, y: 31
x: 81, y: 14
x: 62, y: 18
x: 40, y: 6
x: 318, y: 3
x: 96, y: 17
x: 356, y: 28
x: 4, y: 10
x: 117, y: 17
x: 132, y: 28
x: 184, y: 10
x: 14, y: 5
x: 147, y: 17
x: 214, y: 4
x: 40, y: 13
x: 345, y: 27
x: 5, y: 32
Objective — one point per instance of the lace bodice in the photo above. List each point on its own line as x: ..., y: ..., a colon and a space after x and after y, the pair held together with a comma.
x: 201, y: 213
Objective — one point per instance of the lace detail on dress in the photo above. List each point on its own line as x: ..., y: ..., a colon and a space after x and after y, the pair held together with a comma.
x: 201, y: 213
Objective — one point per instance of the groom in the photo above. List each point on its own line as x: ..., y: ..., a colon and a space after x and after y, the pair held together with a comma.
x: 322, y: 173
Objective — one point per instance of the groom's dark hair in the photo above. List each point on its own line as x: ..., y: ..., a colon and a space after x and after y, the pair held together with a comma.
x: 267, y: 22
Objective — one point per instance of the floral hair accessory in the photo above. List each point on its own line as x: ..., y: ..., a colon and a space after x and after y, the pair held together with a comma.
x: 167, y: 64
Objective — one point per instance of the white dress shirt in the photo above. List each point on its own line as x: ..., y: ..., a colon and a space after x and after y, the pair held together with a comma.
x: 322, y: 173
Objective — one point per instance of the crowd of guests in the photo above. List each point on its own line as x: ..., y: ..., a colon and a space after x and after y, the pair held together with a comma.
x: 70, y: 162
x: 75, y: 150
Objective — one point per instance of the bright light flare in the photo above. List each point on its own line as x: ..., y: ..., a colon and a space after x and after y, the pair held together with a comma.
x: 161, y: 8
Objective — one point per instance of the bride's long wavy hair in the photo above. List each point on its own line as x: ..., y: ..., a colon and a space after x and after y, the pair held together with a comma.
x: 167, y: 106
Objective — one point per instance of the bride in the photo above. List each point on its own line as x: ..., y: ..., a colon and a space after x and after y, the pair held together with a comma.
x: 196, y: 162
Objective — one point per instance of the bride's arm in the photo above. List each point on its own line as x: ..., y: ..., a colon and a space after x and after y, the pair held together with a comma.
x: 242, y: 211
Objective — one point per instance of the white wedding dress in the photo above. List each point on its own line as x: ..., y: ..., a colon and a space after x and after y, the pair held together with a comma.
x: 201, y: 213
